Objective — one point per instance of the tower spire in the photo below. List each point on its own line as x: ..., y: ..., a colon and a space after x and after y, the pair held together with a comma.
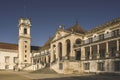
x: 25, y: 6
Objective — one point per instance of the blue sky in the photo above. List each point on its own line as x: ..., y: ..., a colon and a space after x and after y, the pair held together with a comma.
x: 47, y: 15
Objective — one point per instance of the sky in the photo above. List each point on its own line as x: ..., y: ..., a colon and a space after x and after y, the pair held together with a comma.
x: 47, y: 15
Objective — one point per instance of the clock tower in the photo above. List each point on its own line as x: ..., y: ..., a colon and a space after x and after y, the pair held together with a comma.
x: 24, y: 42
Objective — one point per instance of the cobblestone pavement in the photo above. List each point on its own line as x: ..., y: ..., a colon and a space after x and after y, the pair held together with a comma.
x: 73, y: 77
x: 84, y: 78
x: 10, y: 75
x: 30, y: 76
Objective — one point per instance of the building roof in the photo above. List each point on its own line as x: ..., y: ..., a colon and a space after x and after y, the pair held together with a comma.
x: 15, y: 46
x: 35, y: 48
x: 103, y: 26
x: 46, y: 45
x: 76, y: 28
x: 8, y: 46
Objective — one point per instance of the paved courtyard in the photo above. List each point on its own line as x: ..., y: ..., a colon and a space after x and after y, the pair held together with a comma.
x: 6, y: 75
x: 10, y: 75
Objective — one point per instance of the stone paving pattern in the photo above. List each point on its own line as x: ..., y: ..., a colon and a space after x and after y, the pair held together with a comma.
x: 10, y: 75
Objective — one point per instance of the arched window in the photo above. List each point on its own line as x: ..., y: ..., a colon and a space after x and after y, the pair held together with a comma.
x: 54, y: 52
x: 54, y: 48
x: 68, y: 48
x: 60, y: 50
x: 25, y: 31
x: 78, y: 41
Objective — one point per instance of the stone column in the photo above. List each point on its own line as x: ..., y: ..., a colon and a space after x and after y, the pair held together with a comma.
x: 98, y: 54
x: 107, y: 53
x: 57, y: 52
x: 117, y: 53
x: 51, y: 60
x: 90, y: 52
x: 73, y: 54
x: 64, y: 49
x: 40, y: 58
x: 82, y: 53
x: 47, y: 59
x: 118, y: 45
x: 107, y: 47
x: 72, y: 50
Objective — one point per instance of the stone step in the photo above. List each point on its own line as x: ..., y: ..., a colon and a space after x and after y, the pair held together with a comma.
x: 45, y: 71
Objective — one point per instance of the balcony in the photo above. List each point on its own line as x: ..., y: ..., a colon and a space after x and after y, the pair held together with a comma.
x: 76, y: 45
x: 117, y: 54
x: 113, y: 55
x: 99, y: 40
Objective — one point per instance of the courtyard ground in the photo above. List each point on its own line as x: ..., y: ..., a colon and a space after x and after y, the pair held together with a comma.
x: 10, y: 75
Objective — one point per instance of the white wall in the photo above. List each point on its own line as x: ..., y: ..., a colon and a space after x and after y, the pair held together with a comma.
x: 11, y: 55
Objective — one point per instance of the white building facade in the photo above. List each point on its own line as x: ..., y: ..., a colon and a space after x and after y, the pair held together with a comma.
x: 8, y: 56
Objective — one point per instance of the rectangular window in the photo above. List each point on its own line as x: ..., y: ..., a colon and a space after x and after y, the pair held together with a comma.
x: 112, y: 47
x: 94, y: 52
x: 101, y: 66
x: 87, y: 53
x: 25, y: 31
x: 101, y: 37
x: 102, y: 50
x: 117, y: 65
x: 102, y: 53
x: 90, y: 40
x: 86, y: 66
x: 95, y: 38
x: 115, y: 33
x: 15, y: 59
x: 86, y: 41
x: 107, y: 35
x: 7, y: 59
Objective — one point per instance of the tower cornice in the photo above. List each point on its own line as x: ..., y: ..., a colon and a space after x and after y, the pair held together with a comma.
x: 24, y: 37
x: 25, y: 22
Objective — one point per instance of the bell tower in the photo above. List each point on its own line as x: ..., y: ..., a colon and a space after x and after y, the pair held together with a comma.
x: 24, y: 42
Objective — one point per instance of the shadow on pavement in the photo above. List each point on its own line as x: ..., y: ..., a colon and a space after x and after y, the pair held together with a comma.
x: 91, y: 77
